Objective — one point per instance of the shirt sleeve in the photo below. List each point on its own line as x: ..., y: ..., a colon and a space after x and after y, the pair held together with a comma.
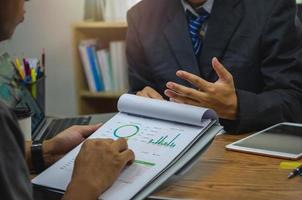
x: 14, y: 182
x: 281, y: 52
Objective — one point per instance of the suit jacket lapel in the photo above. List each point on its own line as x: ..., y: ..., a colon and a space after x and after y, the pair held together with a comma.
x: 177, y: 34
x: 225, y: 18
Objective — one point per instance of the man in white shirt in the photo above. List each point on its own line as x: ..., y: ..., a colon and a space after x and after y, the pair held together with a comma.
x: 97, y: 165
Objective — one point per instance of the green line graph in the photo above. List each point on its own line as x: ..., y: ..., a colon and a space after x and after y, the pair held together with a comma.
x: 147, y: 164
x: 164, y: 141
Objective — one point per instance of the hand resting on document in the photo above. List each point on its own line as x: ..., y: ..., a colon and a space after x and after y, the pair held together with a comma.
x: 149, y: 92
x: 97, y: 166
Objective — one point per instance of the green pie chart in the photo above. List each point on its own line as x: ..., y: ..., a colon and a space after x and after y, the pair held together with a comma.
x: 126, y: 131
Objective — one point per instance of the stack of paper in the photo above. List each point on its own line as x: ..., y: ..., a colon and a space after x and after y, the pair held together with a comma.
x: 164, y: 136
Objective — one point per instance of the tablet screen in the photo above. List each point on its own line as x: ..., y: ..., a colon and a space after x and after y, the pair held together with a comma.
x: 284, y: 138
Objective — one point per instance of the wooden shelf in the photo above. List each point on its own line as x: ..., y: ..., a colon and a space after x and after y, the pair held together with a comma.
x: 89, y: 102
x: 100, y: 25
x: 88, y: 94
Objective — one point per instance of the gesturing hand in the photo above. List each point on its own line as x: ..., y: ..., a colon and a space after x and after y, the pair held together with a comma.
x: 220, y: 96
x: 58, y: 146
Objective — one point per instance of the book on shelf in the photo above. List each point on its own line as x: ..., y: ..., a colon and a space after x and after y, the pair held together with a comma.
x: 105, y: 65
x: 166, y: 138
x: 87, y: 66
x: 119, y: 65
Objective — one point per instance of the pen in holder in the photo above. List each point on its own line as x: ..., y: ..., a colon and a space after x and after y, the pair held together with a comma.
x: 31, y: 72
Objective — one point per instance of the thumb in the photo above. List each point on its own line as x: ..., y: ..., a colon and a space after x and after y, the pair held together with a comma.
x: 221, y: 71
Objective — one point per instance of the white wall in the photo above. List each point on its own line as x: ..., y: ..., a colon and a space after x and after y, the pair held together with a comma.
x: 48, y: 25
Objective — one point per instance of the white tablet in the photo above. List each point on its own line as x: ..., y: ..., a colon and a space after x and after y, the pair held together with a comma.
x: 283, y: 140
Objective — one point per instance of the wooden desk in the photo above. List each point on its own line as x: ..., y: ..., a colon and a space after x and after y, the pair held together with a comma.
x: 222, y: 174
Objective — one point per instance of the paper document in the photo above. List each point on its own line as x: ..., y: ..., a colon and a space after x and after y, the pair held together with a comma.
x: 157, y: 135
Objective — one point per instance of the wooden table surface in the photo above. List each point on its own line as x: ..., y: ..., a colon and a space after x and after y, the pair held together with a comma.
x: 228, y: 175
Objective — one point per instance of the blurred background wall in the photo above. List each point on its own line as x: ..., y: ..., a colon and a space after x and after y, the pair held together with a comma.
x: 48, y: 25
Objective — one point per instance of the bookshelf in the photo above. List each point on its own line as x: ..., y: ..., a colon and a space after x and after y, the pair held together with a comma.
x: 90, y: 102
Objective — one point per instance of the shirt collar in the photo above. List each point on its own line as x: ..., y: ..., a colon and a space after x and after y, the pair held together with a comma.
x: 208, y: 5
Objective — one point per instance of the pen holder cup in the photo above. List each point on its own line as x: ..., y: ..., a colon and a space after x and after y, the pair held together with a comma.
x: 37, y: 90
x: 24, y: 121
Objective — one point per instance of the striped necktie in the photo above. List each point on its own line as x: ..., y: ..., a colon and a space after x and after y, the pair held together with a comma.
x: 195, y: 24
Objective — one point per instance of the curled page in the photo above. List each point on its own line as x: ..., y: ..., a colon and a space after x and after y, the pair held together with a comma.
x: 164, y: 110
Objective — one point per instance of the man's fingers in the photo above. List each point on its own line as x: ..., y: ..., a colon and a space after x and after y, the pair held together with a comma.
x: 185, y: 91
x: 153, y: 93
x: 142, y: 94
x: 120, y: 145
x: 221, y: 71
x: 128, y: 157
x: 108, y: 140
x: 149, y: 93
x: 155, y: 96
x: 139, y: 93
x: 87, y: 130
x: 177, y: 98
x: 198, y: 82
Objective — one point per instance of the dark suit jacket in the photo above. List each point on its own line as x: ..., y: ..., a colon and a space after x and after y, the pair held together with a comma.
x: 257, y: 41
x: 300, y: 11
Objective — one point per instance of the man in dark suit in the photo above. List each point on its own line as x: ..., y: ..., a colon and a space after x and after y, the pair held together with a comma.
x: 241, y: 58
x: 299, y: 11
